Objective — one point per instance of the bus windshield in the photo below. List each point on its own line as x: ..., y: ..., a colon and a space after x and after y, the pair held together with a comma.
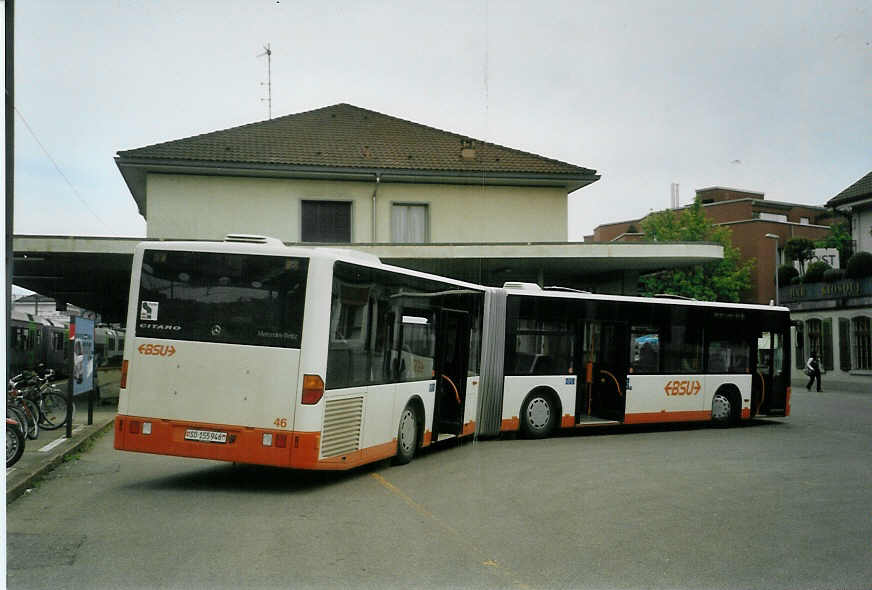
x: 223, y: 298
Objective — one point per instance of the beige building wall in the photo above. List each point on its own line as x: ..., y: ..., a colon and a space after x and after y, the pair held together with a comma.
x: 862, y: 230
x: 470, y: 213
x: 210, y: 207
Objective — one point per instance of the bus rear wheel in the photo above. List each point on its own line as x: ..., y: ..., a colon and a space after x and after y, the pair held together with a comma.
x: 407, y: 436
x: 722, y: 409
x: 538, y: 415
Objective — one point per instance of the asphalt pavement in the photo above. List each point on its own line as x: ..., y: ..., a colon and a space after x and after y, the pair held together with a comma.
x: 775, y: 504
x: 52, y: 447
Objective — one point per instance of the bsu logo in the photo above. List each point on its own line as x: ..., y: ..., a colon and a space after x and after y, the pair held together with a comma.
x: 683, y: 387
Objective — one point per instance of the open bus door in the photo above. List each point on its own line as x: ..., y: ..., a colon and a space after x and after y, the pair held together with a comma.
x: 450, y: 370
x: 603, y: 374
x: 771, y: 374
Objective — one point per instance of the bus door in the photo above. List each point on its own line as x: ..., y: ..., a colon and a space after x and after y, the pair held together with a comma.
x: 769, y: 376
x: 450, y: 371
x: 603, y: 371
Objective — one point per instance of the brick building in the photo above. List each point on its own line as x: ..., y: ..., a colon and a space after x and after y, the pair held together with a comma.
x: 750, y: 217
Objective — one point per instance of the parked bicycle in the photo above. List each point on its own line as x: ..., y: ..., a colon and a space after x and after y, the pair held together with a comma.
x: 27, y: 412
x: 50, y: 401
x: 14, y: 442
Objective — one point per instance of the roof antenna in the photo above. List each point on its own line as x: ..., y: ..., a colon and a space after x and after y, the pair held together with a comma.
x: 268, y: 53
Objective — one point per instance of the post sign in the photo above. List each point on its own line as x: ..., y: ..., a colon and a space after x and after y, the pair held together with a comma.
x: 828, y: 255
x: 82, y: 339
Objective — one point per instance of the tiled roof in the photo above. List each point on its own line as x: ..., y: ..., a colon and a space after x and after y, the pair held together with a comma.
x: 346, y: 136
x: 861, y: 188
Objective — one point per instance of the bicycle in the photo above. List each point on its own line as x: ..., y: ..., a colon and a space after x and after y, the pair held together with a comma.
x: 14, y: 442
x: 50, y: 401
x: 28, y: 409
x: 15, y: 414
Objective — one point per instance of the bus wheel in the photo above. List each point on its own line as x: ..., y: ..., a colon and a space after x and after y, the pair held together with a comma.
x: 538, y: 415
x: 722, y: 409
x: 407, y: 436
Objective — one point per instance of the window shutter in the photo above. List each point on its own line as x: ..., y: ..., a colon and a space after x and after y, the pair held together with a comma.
x: 844, y: 344
x: 827, y: 344
x: 326, y: 221
x: 800, y: 346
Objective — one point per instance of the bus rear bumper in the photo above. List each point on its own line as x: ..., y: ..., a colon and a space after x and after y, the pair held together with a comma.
x: 238, y: 444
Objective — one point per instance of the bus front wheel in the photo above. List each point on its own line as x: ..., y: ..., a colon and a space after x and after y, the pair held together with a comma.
x: 539, y: 415
x: 407, y: 436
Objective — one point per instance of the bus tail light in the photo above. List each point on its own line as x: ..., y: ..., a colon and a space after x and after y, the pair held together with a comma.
x: 124, y: 374
x: 313, y: 389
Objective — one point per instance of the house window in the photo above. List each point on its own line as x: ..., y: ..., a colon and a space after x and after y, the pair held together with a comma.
x: 326, y: 221
x: 803, y: 220
x: 772, y: 216
x: 410, y: 223
x: 862, y: 343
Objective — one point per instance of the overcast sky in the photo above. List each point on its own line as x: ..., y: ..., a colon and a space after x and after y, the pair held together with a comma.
x: 765, y: 96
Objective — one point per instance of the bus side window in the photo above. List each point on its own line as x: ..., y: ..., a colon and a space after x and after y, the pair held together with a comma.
x: 644, y: 349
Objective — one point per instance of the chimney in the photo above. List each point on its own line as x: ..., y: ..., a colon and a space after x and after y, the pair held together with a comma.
x: 467, y: 149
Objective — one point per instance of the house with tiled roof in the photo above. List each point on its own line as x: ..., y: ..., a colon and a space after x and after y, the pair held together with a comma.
x: 344, y: 174
x: 856, y: 202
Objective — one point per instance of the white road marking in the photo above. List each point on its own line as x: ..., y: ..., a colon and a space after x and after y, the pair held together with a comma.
x: 53, y: 444
x: 10, y: 470
x: 60, y: 441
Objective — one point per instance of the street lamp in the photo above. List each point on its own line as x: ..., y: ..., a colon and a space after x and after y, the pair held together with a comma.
x: 775, y: 237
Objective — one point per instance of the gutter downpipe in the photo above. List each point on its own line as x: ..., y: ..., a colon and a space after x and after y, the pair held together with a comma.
x: 374, y: 193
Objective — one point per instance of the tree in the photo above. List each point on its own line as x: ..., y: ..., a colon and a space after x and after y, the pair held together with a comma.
x: 799, y: 249
x: 839, y: 237
x: 720, y: 280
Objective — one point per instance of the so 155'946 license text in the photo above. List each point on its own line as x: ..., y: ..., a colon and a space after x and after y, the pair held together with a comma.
x: 205, y: 435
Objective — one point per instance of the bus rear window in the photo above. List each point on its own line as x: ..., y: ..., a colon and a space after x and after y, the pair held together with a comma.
x: 223, y: 298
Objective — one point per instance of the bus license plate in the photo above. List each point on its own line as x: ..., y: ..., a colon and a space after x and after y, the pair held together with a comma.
x: 205, y: 436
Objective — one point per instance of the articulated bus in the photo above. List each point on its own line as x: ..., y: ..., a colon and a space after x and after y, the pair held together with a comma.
x: 253, y: 352
x: 576, y: 359
x: 316, y: 358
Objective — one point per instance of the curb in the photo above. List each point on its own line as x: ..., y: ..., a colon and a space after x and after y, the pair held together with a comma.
x: 47, y: 465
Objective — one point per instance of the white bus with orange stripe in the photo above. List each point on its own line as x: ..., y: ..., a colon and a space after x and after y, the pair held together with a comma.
x: 576, y: 359
x: 254, y: 352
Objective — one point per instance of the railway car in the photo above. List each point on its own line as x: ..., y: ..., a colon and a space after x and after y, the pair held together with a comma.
x: 36, y: 340
x: 108, y: 345
x: 55, y: 347
x: 25, y: 342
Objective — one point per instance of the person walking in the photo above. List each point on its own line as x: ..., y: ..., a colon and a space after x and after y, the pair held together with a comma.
x: 813, y: 370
